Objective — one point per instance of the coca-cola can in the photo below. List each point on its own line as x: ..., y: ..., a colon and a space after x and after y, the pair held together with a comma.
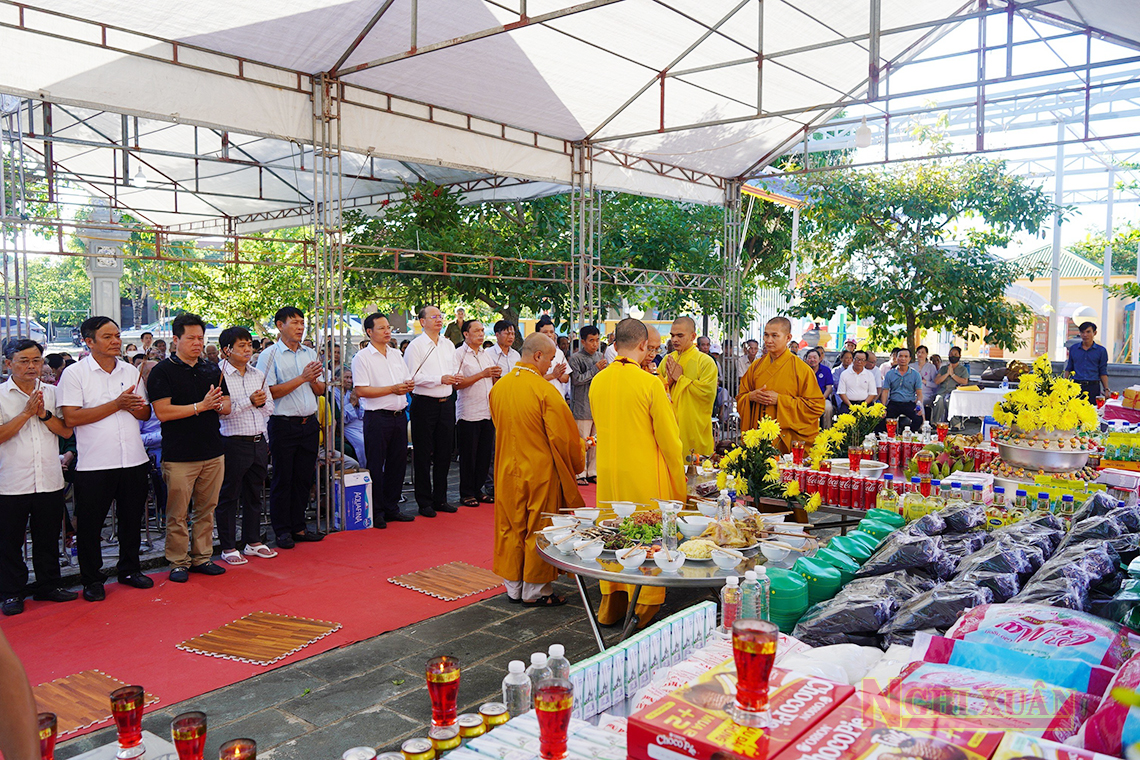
x: 832, y: 496
x: 787, y: 475
x: 801, y: 476
x: 884, y: 452
x: 857, y: 491
x: 895, y: 447
x: 845, y: 490
x: 871, y: 492
x: 813, y: 479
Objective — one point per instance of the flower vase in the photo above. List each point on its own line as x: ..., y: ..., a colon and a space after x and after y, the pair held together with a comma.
x: 768, y: 505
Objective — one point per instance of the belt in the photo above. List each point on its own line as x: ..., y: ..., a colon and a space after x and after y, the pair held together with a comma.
x: 384, y: 412
x: 250, y: 438
x: 442, y: 400
x: 298, y: 420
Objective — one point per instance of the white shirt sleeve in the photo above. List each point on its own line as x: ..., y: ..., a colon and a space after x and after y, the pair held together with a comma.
x: 69, y: 391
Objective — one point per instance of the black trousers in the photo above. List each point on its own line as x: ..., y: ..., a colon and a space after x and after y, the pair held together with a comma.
x: 246, y: 464
x: 386, y: 447
x: 1091, y: 389
x: 433, y: 435
x: 476, y: 445
x: 94, y: 492
x: 293, y: 444
x: 905, y: 411
x: 46, y: 513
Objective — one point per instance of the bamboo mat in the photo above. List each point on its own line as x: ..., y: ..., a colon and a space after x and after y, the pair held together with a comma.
x: 449, y: 582
x: 259, y: 638
x: 80, y: 700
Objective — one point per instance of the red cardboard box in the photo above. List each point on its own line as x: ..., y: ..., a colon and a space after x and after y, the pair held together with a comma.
x: 1016, y: 745
x: 691, y: 723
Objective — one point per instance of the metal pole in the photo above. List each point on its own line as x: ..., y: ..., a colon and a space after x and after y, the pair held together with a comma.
x: 1056, y: 321
x: 1135, y: 314
x: 793, y: 274
x: 1107, y: 322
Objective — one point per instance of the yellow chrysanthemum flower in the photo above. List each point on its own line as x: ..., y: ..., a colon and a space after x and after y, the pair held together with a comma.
x: 768, y: 429
x: 813, y: 503
x: 773, y: 471
x: 721, y: 480
x: 751, y: 438
x: 844, y: 421
x: 792, y: 488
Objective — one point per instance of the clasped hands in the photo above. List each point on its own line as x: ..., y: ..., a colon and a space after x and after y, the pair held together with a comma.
x: 764, y: 396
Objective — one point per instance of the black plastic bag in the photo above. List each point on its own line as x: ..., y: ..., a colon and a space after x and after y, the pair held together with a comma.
x: 898, y: 585
x: 964, y: 517
x: 964, y: 544
x: 1101, y: 528
x: 901, y: 552
x: 1046, y: 519
x: 841, y: 620
x: 930, y: 524
x: 1057, y: 592
x: 1128, y: 517
x: 1025, y: 532
x: 1003, y: 585
x: 939, y: 607
x: 1097, y: 559
x: 998, y: 557
x: 1097, y: 504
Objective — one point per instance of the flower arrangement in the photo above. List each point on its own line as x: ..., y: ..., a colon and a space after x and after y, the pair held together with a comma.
x: 1045, y: 401
x: 849, y: 430
x: 755, y: 465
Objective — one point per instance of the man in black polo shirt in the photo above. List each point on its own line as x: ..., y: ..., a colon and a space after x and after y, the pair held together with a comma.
x: 188, y: 393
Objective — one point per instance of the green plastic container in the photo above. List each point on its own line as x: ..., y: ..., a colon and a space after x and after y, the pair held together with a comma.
x: 879, y: 530
x: 886, y: 516
x: 854, y: 549
x: 822, y: 579
x: 846, y: 566
x: 866, y: 539
x: 789, y: 599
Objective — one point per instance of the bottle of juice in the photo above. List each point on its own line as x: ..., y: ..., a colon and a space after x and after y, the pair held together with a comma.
x: 976, y: 496
x: 955, y: 499
x: 914, y: 505
x: 887, y: 498
x: 1043, y: 502
x: 936, y: 500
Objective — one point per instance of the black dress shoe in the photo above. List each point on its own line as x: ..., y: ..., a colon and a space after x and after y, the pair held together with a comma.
x: 208, y: 568
x: 93, y: 592
x: 55, y: 595
x: 13, y: 606
x: 179, y: 575
x: 427, y: 512
x: 445, y: 507
x: 400, y: 518
x: 309, y: 536
x: 137, y: 580
x: 380, y: 524
x: 285, y: 542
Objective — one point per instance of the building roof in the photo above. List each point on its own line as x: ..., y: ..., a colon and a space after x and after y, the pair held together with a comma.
x: 1072, y: 265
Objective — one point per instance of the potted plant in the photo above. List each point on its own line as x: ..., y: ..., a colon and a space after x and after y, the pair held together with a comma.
x: 755, y: 466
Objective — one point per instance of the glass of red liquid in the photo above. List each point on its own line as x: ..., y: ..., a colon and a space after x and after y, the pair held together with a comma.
x: 553, y: 700
x: 127, y: 710
x: 443, y: 689
x: 754, y: 650
x: 943, y: 429
x: 892, y: 427
x: 48, y: 728
x: 238, y: 749
x: 924, y: 460
x: 189, y: 733
x: 1100, y: 402
x: 854, y: 458
x: 798, y: 452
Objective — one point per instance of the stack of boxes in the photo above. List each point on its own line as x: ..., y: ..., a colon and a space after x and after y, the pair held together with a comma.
x: 607, y: 679
x: 1131, y: 398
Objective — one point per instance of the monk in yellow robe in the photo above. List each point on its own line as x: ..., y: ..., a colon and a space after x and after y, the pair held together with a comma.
x: 639, y: 451
x: 781, y: 386
x: 690, y: 378
x: 537, y: 457
x: 652, y: 350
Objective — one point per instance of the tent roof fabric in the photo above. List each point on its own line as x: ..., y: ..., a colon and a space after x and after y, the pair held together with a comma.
x: 668, y: 91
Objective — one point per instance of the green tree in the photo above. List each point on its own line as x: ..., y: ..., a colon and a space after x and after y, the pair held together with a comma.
x: 907, y: 247
x: 1125, y: 240
x: 59, y: 289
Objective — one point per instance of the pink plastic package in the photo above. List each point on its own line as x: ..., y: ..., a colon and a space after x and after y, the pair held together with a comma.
x: 997, y: 702
x: 1049, y: 632
x: 1106, y: 729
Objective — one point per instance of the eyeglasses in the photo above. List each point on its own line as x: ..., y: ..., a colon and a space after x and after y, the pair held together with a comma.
x: 24, y: 363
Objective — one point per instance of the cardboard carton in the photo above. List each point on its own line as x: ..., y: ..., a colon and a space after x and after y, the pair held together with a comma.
x: 1016, y: 745
x: 354, y: 493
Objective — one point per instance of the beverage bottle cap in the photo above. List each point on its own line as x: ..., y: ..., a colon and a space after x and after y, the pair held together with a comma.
x: 515, y: 666
x: 724, y: 492
x: 977, y: 487
x: 538, y: 659
x: 557, y: 650
x: 1042, y: 496
x: 915, y: 479
x: 731, y: 580
x: 750, y: 575
x: 955, y: 484
x: 888, y: 476
x: 761, y: 572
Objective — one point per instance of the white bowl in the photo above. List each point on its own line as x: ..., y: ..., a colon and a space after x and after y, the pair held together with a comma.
x: 623, y: 509
x: 774, y: 553
x: 633, y: 561
x: 741, y: 512
x: 556, y: 534
x: 567, y: 547
x: 588, y: 550
x: 669, y: 566
x: 692, y: 526
x: 796, y: 541
x: 564, y: 521
x: 774, y: 519
x: 707, y: 508
x: 724, y: 561
x: 589, y: 515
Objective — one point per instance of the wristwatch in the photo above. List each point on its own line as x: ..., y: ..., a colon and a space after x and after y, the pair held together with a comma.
x: 47, y: 416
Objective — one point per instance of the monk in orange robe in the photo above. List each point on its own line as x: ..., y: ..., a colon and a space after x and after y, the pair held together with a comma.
x: 782, y: 386
x: 538, y: 454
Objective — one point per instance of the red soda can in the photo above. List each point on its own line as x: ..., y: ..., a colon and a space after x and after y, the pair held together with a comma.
x: 857, y: 491
x: 801, y: 476
x: 845, y: 490
x: 884, y: 452
x: 813, y: 478
x: 895, y: 446
x: 832, y: 496
x: 787, y: 475
x: 871, y: 490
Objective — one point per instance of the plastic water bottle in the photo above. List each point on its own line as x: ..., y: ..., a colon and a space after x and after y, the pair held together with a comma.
x: 516, y: 690
x: 749, y: 590
x: 723, y: 506
x: 557, y: 662
x: 538, y: 671
x: 1005, y: 382
x: 763, y: 594
x: 729, y: 604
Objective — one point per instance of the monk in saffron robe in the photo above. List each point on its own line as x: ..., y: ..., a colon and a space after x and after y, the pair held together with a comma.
x: 537, y: 455
x: 781, y: 386
x: 690, y: 378
x: 639, y: 451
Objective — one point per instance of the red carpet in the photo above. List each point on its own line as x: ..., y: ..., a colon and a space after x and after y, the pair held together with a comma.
x: 133, y: 634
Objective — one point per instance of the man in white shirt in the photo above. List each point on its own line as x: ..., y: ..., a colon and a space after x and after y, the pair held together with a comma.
x: 559, y: 373
x: 475, y: 431
x: 102, y: 398
x: 383, y: 382
x: 876, y: 373
x: 31, y: 479
x: 431, y: 361
x: 857, y: 385
x: 751, y: 351
x: 502, y: 352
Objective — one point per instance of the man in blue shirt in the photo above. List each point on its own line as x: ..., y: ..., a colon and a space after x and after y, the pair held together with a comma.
x: 902, y: 391
x: 1088, y: 363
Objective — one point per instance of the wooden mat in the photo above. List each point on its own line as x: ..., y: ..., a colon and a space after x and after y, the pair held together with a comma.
x: 80, y: 700
x: 449, y: 582
x: 260, y: 638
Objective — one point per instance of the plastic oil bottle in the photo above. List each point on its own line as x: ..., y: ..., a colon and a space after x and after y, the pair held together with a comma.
x: 729, y: 605
x: 888, y: 498
x: 936, y: 501
x: 517, y: 690
x: 914, y: 505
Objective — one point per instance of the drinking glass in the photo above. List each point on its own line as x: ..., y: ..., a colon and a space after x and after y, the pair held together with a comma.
x: 943, y: 429
x: 189, y: 733
x: 1100, y: 402
x: 443, y: 689
x: 924, y: 459
x: 552, y: 703
x: 127, y: 709
x: 48, y: 728
x: 798, y: 452
x: 892, y: 427
x: 754, y: 650
x: 854, y: 458
x: 238, y: 749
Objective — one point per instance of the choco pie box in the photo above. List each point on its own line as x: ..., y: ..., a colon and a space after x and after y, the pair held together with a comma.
x: 691, y: 723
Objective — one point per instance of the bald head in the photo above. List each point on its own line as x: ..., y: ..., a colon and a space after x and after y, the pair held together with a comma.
x: 630, y: 333
x: 781, y: 323
x: 683, y: 333
x: 777, y: 331
x: 651, y: 349
x: 538, y: 349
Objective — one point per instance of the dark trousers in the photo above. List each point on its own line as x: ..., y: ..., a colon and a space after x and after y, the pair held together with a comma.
x: 905, y: 411
x: 46, y: 513
x: 293, y: 444
x: 476, y: 445
x: 433, y: 435
x: 94, y: 492
x: 1091, y: 389
x: 246, y: 464
x: 386, y: 447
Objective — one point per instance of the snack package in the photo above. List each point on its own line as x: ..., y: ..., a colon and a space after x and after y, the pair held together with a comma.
x: 1106, y: 730
x: 937, y: 608
x: 1069, y: 674
x: 901, y: 551
x: 1015, y: 746
x: 1049, y: 632
x: 1000, y: 702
